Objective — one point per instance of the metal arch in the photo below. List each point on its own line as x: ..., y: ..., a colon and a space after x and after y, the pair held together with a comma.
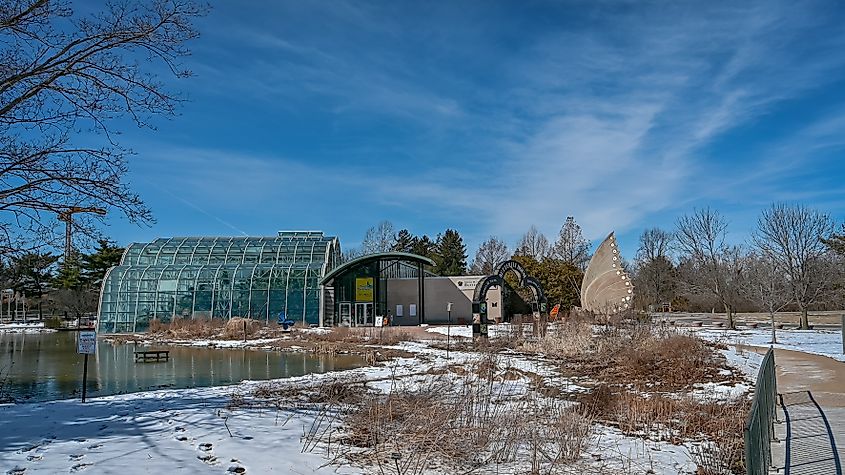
x: 498, y: 278
x: 511, y: 266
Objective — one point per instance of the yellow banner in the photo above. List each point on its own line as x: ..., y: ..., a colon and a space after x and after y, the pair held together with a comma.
x: 364, y: 289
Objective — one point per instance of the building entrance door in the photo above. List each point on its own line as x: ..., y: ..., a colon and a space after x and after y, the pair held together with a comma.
x: 345, y: 314
x: 364, y: 314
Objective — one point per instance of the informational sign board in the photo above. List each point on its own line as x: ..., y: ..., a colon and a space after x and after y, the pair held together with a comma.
x: 399, y: 310
x: 364, y: 289
x: 87, y: 343
x: 412, y: 310
x: 379, y: 321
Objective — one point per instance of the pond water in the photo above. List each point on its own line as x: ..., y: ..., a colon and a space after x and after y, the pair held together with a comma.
x: 45, y: 366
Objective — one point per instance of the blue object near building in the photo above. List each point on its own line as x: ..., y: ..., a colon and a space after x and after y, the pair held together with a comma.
x: 285, y: 323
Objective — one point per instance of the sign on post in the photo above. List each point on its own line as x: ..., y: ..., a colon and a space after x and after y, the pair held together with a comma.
x: 87, y: 343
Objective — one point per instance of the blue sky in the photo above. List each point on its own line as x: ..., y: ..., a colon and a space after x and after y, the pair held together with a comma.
x: 489, y: 117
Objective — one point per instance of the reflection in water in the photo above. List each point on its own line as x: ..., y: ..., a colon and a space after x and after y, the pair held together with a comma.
x: 39, y: 367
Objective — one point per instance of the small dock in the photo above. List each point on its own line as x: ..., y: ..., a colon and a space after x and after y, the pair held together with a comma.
x: 152, y: 356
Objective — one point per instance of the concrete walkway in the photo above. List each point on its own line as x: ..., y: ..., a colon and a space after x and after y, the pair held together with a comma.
x: 810, y: 449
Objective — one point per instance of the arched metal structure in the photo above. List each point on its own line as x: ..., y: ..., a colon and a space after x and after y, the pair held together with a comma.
x: 479, y: 305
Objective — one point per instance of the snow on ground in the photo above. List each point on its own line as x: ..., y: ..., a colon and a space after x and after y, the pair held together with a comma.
x: 34, y: 327
x: 192, y: 431
x: 818, y: 342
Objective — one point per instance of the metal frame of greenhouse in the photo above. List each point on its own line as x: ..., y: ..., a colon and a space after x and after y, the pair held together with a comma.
x: 219, y: 277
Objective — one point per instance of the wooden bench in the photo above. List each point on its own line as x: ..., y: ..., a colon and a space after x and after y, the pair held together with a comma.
x: 152, y: 355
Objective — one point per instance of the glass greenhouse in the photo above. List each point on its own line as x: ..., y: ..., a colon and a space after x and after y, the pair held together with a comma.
x: 218, y: 277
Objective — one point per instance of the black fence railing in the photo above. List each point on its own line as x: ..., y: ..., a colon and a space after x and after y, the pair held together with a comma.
x: 759, y: 427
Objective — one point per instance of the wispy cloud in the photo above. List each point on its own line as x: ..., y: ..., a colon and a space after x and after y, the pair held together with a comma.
x: 496, y: 119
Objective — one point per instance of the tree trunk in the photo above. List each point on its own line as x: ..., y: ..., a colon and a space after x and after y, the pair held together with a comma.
x: 774, y: 336
x: 805, y: 320
x: 729, y: 312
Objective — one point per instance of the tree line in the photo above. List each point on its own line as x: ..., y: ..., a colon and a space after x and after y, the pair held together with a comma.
x: 40, y: 282
x: 791, y: 261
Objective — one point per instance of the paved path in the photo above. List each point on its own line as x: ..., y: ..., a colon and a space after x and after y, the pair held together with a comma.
x: 824, y: 378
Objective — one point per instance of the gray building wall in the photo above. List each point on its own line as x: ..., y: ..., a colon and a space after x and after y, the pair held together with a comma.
x: 439, y: 291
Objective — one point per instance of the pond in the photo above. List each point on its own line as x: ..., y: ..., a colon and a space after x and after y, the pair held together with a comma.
x: 45, y: 366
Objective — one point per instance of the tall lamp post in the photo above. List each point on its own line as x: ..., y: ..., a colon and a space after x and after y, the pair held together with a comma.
x: 448, y: 327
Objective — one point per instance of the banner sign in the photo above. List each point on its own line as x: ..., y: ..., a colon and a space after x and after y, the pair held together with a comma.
x: 87, y: 343
x: 364, y: 289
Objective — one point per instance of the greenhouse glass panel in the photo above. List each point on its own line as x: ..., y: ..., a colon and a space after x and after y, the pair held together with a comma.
x: 217, y: 277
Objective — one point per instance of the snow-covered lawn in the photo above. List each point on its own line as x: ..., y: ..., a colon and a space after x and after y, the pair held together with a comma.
x: 818, y: 342
x: 195, y: 430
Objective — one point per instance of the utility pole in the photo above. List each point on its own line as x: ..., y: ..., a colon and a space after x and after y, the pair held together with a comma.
x: 67, y: 217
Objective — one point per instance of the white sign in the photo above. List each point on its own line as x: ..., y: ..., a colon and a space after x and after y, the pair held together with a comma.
x: 412, y: 310
x: 379, y: 321
x: 87, y: 343
x: 399, y: 310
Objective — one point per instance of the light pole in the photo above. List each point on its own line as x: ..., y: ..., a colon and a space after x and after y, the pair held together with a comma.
x: 448, y: 327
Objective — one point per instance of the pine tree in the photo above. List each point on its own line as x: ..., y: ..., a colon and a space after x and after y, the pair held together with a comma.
x: 95, y: 265
x: 31, y: 273
x: 424, y: 246
x: 451, y: 254
x: 69, y: 276
x: 404, y: 242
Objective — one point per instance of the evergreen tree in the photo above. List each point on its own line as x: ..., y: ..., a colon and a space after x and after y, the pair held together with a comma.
x: 424, y: 246
x: 95, y: 265
x: 69, y: 276
x: 451, y: 254
x: 31, y: 273
x: 404, y: 242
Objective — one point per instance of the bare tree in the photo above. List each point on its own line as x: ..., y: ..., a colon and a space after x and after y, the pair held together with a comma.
x: 794, y: 238
x: 710, y: 266
x: 379, y: 238
x: 67, y: 81
x: 490, y: 253
x: 533, y: 244
x: 655, y: 276
x: 767, y: 286
x: 571, y: 246
x: 654, y: 243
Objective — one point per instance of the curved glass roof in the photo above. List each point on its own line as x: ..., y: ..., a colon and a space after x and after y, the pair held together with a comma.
x: 218, y: 277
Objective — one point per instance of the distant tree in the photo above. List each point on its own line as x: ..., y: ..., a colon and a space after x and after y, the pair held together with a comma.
x: 96, y: 264
x: 490, y: 253
x: 451, y: 254
x: 709, y: 265
x: 794, y: 238
x: 767, y: 286
x: 533, y: 244
x: 69, y: 276
x: 424, y: 246
x: 571, y: 246
x: 561, y: 282
x: 62, y: 73
x: 404, y: 242
x: 655, y: 277
x: 836, y: 242
x: 31, y: 273
x: 379, y: 238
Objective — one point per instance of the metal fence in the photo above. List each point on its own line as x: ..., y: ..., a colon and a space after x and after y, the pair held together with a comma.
x: 759, y: 428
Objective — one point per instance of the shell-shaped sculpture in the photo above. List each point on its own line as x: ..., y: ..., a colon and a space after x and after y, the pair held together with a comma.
x: 606, y: 288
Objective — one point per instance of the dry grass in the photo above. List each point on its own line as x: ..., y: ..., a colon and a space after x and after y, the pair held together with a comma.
x: 186, y: 328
